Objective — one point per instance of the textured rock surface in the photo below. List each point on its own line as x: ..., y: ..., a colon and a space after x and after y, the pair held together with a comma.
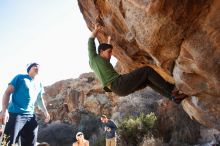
x: 179, y: 38
x: 65, y: 98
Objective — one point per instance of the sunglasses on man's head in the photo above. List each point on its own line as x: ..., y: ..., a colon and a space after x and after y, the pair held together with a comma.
x: 79, y: 134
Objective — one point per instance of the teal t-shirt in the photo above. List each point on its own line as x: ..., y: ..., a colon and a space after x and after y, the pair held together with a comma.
x: 102, y: 68
x: 26, y: 92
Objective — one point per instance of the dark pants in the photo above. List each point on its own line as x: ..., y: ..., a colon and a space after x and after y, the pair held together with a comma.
x: 140, y: 78
x: 23, y: 126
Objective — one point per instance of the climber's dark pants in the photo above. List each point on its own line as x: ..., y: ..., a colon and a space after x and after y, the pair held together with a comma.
x: 140, y: 78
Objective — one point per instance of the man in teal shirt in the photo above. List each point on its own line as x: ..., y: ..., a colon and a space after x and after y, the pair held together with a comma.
x: 125, y: 84
x: 26, y: 92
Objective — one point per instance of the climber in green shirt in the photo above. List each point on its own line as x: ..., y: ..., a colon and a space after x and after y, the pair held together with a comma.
x: 125, y: 84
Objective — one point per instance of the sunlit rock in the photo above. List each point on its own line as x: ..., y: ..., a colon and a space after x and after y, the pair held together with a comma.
x: 179, y: 38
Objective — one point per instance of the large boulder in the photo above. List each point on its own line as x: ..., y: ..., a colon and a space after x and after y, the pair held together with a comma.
x: 180, y: 39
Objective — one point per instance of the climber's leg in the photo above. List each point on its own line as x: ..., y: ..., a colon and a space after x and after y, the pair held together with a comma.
x: 139, y: 79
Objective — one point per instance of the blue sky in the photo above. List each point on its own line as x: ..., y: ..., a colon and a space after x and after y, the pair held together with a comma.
x: 50, y: 32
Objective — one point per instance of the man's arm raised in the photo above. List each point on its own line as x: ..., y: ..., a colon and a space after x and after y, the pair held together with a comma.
x: 95, y: 31
x: 109, y: 40
x: 91, y: 42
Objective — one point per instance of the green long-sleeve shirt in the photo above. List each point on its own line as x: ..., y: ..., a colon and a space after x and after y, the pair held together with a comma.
x: 102, y: 68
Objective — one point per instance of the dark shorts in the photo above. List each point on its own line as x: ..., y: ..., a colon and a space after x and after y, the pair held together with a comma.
x: 23, y: 127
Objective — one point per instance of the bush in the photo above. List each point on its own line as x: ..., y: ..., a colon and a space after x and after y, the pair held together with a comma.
x: 132, y: 130
x: 99, y: 142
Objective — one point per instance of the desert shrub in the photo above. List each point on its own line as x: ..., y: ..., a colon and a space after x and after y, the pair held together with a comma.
x: 152, y: 141
x: 57, y: 134
x: 89, y: 124
x: 132, y: 130
x: 100, y: 141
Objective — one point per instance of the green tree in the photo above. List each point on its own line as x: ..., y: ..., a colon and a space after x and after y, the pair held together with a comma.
x: 132, y: 130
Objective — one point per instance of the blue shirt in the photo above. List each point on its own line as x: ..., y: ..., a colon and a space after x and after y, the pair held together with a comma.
x: 112, y: 126
x: 26, y: 92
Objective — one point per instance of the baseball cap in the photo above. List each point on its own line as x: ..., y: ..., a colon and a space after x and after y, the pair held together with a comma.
x: 30, y: 65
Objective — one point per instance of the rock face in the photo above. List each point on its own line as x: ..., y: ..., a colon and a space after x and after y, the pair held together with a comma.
x: 74, y: 105
x: 68, y: 97
x: 179, y: 38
